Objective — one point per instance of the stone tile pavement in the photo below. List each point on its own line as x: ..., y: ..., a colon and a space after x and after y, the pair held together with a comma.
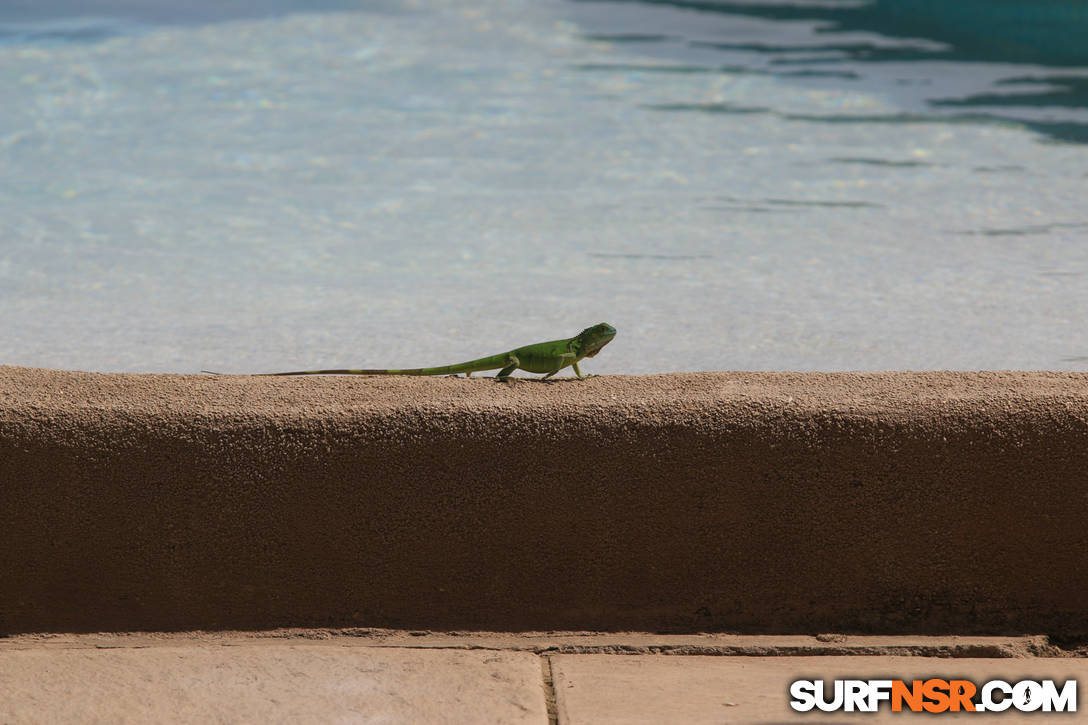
x: 371, y: 676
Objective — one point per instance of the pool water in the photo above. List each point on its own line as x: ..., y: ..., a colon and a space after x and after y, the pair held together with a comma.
x: 757, y: 186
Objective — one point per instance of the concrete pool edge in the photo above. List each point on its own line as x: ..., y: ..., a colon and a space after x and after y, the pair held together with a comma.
x: 934, y: 502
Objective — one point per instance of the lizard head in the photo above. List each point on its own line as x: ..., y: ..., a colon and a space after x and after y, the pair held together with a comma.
x: 592, y: 339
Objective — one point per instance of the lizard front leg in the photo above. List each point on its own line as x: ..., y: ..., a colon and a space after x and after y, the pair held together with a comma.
x: 567, y: 358
x: 579, y: 373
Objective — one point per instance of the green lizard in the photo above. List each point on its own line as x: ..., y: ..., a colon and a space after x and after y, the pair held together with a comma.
x: 543, y: 357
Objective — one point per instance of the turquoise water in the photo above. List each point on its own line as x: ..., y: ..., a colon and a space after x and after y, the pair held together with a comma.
x: 760, y: 185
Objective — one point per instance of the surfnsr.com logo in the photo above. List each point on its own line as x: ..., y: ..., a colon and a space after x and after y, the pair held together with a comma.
x: 933, y: 695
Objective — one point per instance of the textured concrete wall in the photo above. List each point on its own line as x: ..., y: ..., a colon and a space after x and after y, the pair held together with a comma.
x: 872, y: 502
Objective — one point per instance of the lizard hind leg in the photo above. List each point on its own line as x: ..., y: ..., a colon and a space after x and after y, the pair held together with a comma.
x: 512, y: 365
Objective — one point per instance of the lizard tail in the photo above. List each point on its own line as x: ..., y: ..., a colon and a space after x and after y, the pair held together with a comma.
x: 415, y: 371
x: 493, y: 362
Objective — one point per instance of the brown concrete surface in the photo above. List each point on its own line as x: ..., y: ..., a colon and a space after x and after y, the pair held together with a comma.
x: 612, y: 689
x: 547, y: 643
x: 862, y: 502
